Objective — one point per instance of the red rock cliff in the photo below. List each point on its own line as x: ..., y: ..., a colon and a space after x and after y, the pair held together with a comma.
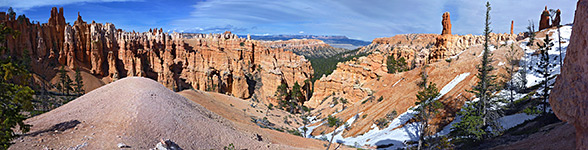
x: 569, y: 99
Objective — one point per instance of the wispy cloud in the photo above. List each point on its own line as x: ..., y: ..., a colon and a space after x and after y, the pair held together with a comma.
x: 365, y: 19
x: 361, y: 19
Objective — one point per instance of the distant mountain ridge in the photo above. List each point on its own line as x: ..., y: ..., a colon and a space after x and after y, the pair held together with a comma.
x: 335, y: 41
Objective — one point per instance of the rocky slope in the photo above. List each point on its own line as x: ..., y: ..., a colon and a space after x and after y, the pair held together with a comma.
x: 364, y: 80
x: 568, y: 97
x: 215, y: 62
x: 306, y: 47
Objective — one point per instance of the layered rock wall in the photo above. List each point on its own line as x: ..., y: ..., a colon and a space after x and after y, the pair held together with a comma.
x: 306, y: 47
x: 214, y: 62
x: 568, y: 98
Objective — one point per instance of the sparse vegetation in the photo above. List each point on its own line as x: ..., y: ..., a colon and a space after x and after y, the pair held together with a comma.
x: 396, y: 64
x: 381, y: 123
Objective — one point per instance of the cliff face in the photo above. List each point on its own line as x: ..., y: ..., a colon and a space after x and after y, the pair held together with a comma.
x: 568, y: 98
x: 215, y: 62
x: 306, y: 47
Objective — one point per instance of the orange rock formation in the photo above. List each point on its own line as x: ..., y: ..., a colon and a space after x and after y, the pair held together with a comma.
x: 568, y: 97
x: 544, y: 22
x: 216, y: 62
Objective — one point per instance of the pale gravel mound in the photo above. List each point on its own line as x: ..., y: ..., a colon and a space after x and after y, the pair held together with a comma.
x: 137, y: 112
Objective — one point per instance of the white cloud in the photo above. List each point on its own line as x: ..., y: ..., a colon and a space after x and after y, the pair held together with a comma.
x: 366, y: 19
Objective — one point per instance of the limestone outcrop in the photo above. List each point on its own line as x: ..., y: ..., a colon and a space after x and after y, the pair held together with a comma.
x: 446, y: 22
x: 568, y: 98
x: 544, y: 21
x: 222, y: 63
x: 305, y: 47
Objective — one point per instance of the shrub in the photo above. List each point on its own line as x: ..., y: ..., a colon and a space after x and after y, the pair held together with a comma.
x: 381, y: 123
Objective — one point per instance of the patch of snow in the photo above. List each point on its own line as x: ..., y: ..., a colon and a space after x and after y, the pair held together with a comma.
x: 452, y: 84
x: 397, y: 82
x: 501, y: 63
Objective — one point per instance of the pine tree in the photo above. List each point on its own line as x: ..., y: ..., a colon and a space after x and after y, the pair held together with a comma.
x: 65, y: 83
x: 333, y: 121
x: 545, y: 70
x: 282, y: 95
x: 427, y: 107
x: 531, y: 32
x: 15, y: 96
x: 512, y: 63
x: 297, y: 97
x: 78, y: 88
x: 479, y: 119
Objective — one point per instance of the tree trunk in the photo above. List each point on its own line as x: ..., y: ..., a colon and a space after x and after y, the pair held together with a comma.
x: 331, y: 141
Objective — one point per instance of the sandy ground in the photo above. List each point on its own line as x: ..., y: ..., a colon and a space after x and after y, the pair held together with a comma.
x: 137, y: 112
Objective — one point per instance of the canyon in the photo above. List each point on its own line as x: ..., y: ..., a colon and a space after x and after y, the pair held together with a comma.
x: 221, y: 63
x: 229, y: 83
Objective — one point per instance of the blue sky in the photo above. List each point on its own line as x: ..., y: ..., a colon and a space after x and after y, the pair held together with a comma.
x: 358, y: 19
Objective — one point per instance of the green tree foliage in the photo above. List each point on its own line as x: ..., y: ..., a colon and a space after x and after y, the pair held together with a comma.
x: 282, y: 95
x: 65, y: 83
x: 11, y: 12
x: 479, y: 117
x: 545, y: 70
x: 15, y: 95
x: 427, y: 108
x: 326, y: 66
x: 290, y: 99
x: 396, y: 64
x: 510, y: 67
x: 531, y: 33
x: 335, y: 122
x: 78, y: 86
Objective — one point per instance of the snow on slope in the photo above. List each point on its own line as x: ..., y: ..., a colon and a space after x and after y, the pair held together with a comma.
x: 533, y: 78
x: 388, y: 135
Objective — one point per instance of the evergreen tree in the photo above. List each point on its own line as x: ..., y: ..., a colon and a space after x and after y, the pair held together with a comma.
x: 427, y: 108
x: 531, y: 33
x: 512, y: 63
x: 65, y: 83
x: 297, y: 97
x: 282, y: 95
x: 10, y: 13
x: 333, y: 121
x: 545, y: 70
x: 396, y: 64
x: 479, y: 118
x: 78, y: 88
x: 15, y: 95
